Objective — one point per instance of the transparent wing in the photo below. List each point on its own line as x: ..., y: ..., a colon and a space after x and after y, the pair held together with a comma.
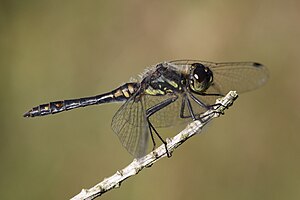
x: 239, y: 76
x: 167, y: 116
x: 131, y: 126
x: 171, y: 114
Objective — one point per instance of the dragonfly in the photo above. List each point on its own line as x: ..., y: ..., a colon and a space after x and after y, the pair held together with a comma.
x: 164, y: 95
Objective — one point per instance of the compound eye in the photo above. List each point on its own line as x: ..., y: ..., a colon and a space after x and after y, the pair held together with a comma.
x: 200, y: 77
x: 200, y: 73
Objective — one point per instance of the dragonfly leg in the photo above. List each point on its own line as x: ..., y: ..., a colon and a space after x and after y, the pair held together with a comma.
x: 207, y: 107
x: 151, y: 127
x: 152, y: 137
x: 202, y: 104
x: 186, y: 100
x: 153, y: 110
x: 212, y: 94
x: 199, y: 102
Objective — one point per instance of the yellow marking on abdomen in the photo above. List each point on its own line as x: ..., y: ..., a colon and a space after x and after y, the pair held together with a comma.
x: 125, y: 93
x: 118, y: 93
x: 131, y: 89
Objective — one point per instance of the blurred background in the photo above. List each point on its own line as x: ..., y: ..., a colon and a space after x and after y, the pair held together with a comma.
x: 53, y: 50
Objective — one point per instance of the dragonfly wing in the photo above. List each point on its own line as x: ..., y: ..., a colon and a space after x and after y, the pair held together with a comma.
x: 131, y: 126
x: 241, y: 77
x: 167, y: 116
x: 238, y: 76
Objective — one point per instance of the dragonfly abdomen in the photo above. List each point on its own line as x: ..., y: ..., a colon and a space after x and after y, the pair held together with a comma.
x: 118, y: 95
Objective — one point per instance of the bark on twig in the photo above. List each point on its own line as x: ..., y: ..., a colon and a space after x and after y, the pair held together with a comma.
x: 137, y: 165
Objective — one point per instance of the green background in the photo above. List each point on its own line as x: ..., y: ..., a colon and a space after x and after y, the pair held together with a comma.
x: 52, y: 50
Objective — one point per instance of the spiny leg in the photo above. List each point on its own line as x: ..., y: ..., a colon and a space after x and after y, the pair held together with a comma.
x: 190, y: 108
x: 212, y: 94
x: 207, y: 107
x: 153, y: 110
x: 152, y: 137
x: 204, y: 105
x: 151, y: 127
x: 199, y: 102
x: 186, y: 100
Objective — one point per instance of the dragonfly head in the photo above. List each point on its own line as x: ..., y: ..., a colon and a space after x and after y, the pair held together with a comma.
x: 200, y: 78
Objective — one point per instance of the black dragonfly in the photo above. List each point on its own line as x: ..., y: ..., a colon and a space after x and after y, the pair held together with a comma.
x: 166, y: 94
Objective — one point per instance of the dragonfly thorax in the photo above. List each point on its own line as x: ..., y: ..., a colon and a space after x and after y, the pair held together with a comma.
x: 200, y: 78
x: 163, y: 80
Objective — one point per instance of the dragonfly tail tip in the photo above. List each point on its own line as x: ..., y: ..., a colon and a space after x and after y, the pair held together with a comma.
x: 27, y: 114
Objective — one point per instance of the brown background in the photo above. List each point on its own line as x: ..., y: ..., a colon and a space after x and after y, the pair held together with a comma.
x: 53, y: 50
